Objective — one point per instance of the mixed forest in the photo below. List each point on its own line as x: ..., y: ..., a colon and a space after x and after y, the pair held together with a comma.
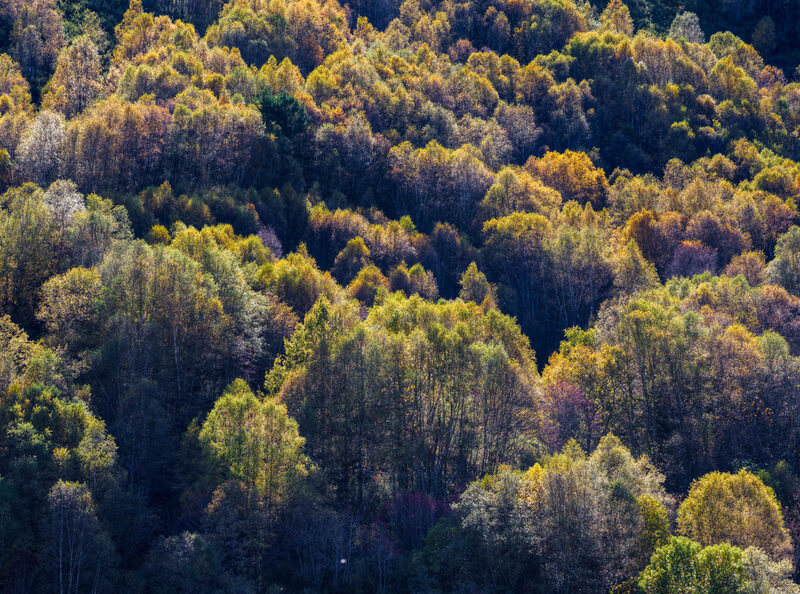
x: 399, y: 296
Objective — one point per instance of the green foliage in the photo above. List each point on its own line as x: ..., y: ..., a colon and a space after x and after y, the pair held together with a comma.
x: 783, y: 270
x: 685, y: 566
x: 58, y: 462
x: 673, y: 568
x: 351, y: 260
x: 255, y: 441
x: 282, y: 114
x: 475, y: 288
x: 453, y: 183
x: 26, y: 251
x: 552, y: 523
x: 344, y: 380
x: 655, y: 524
x: 297, y: 281
x: 735, y: 508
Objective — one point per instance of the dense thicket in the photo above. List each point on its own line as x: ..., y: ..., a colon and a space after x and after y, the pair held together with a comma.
x: 480, y: 296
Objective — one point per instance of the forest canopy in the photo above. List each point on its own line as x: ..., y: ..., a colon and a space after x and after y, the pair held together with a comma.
x: 399, y: 296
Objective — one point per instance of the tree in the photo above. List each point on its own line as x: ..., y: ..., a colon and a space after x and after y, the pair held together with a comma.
x: 686, y: 26
x: 764, y: 575
x: 15, y: 115
x: 523, y: 131
x: 684, y: 566
x: 65, y: 202
x: 283, y: 115
x: 548, y: 26
x: 185, y: 562
x: 552, y: 526
x: 286, y: 123
x: 692, y: 258
x: 369, y: 285
x: 655, y: 525
x: 28, y: 248
x: 212, y: 140
x: 344, y: 380
x: 70, y: 309
x: 15, y: 353
x: 475, y: 288
x: 633, y: 273
x: 617, y: 17
x: 435, y: 183
x: 735, y: 508
x: 497, y: 516
x: 297, y: 281
x: 40, y: 148
x: 201, y: 13
x: 148, y: 328
x: 304, y: 32
x: 241, y: 528
x: 351, y: 157
x: 35, y: 37
x: 551, y: 277
x: 764, y: 36
x: 50, y: 501
x: 573, y: 175
x: 751, y: 265
x: 731, y: 82
x: 77, y: 542
x: 353, y: 257
x: 121, y: 145
x: 255, y: 441
x: 77, y: 81
x: 413, y: 281
x: 95, y: 228
x: 515, y: 190
x: 784, y: 269
x: 673, y: 568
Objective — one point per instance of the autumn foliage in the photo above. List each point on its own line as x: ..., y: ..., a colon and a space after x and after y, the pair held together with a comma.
x: 399, y: 296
